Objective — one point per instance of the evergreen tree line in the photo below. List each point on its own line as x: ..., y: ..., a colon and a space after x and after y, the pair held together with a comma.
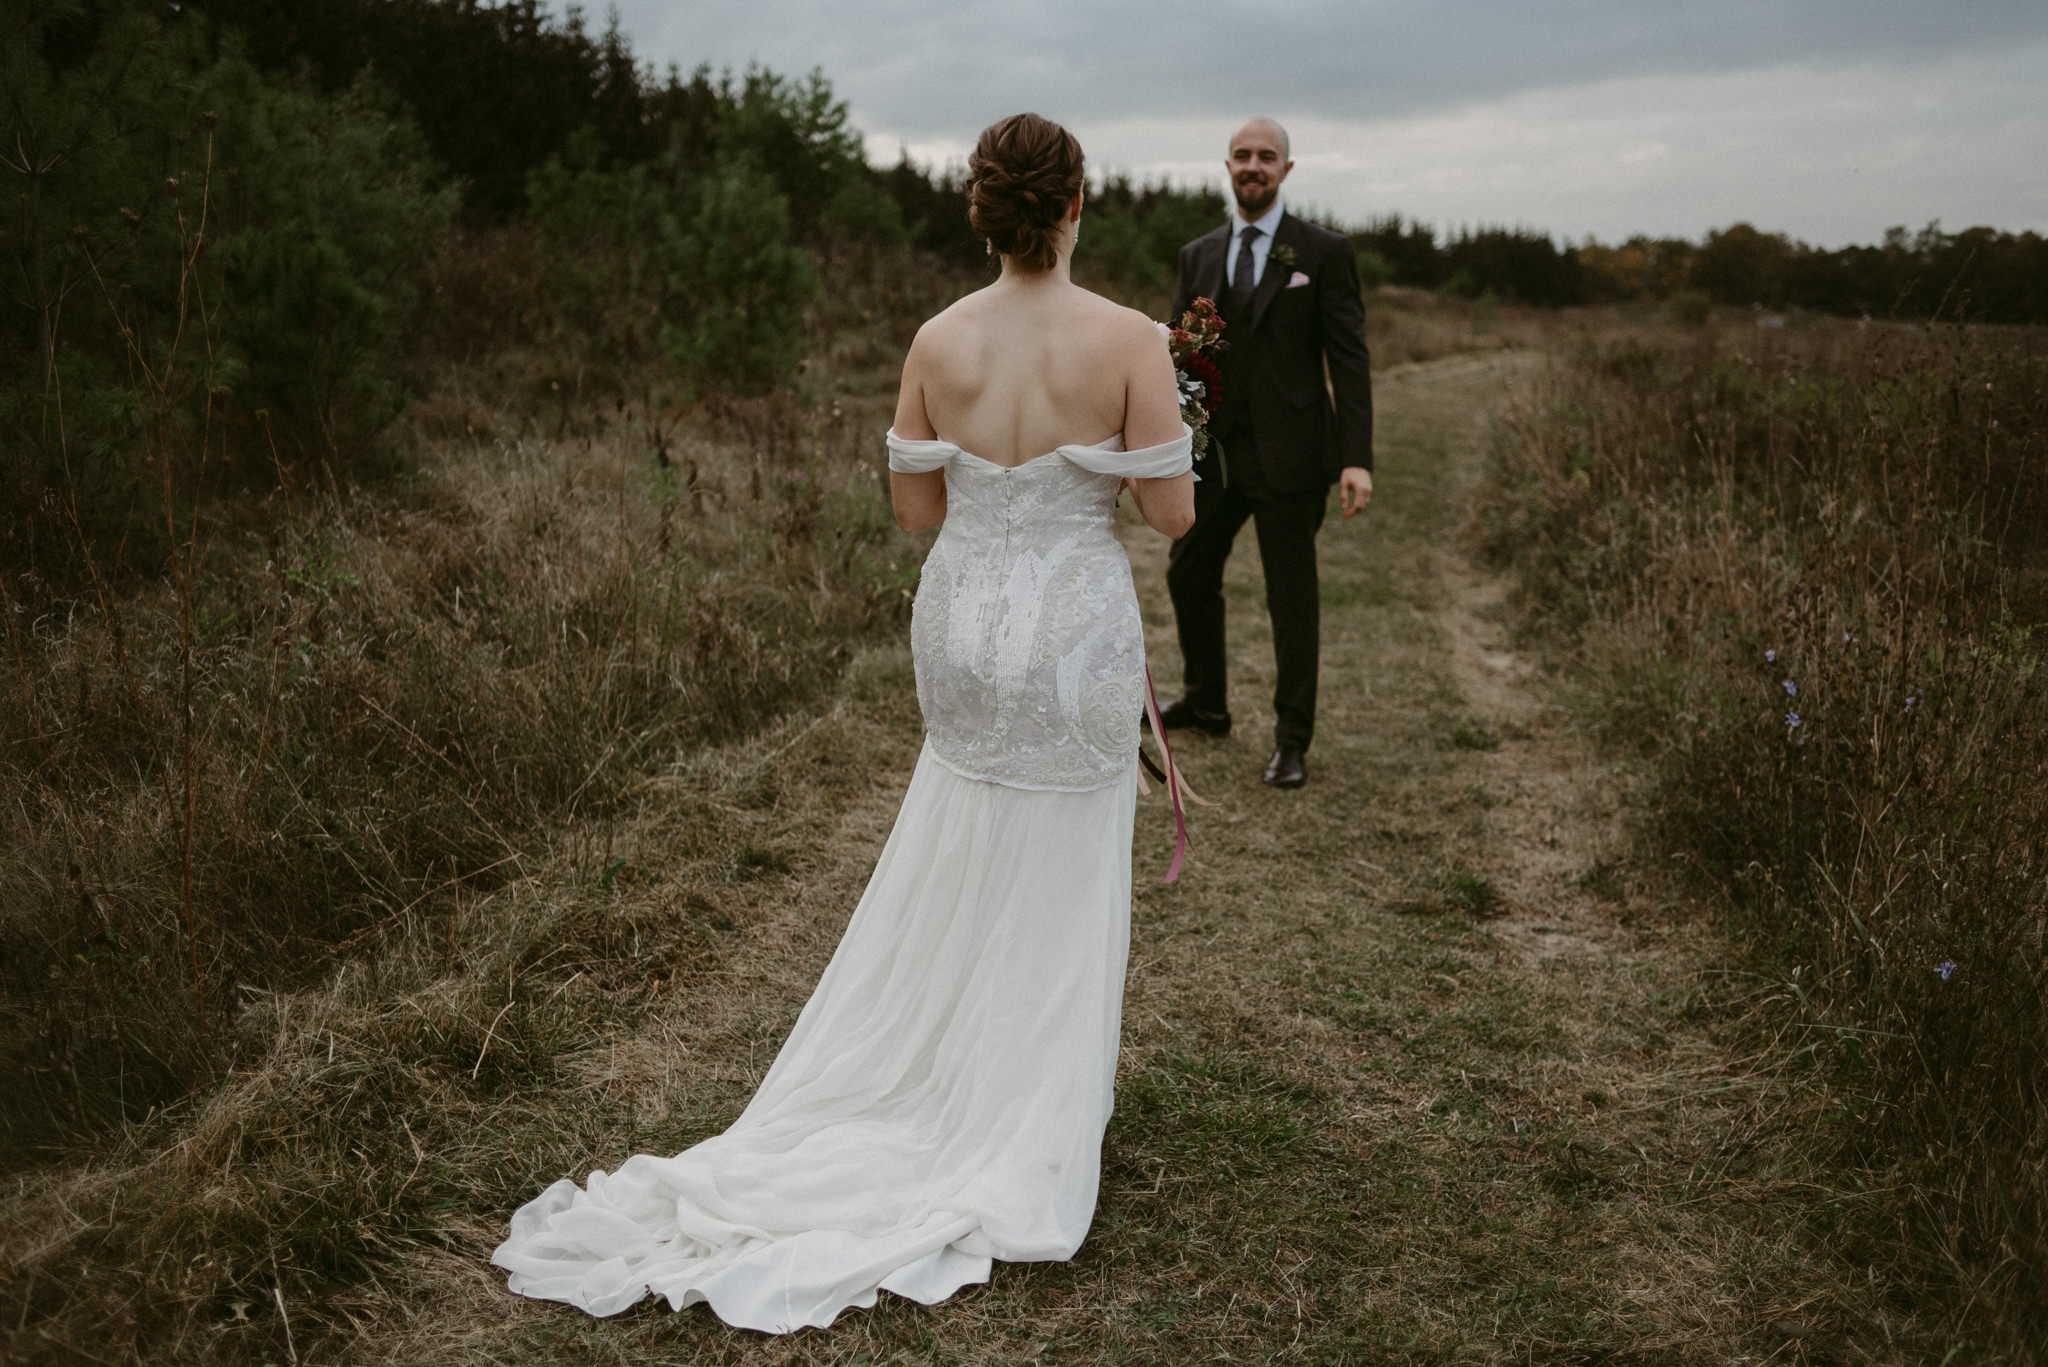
x: 223, y: 226
x: 498, y: 89
x: 220, y: 219
x: 200, y: 263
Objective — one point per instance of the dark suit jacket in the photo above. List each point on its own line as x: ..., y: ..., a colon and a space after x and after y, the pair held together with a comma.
x: 1303, y: 432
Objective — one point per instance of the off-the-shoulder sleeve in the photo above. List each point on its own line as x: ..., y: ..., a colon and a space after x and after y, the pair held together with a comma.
x: 907, y: 457
x: 1164, y: 461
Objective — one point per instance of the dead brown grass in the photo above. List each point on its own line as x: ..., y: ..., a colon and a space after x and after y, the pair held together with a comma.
x: 1419, y: 1063
x: 391, y: 690
x: 1406, y: 325
x: 1800, y: 571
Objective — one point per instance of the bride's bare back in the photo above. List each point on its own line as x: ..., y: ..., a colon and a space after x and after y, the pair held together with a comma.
x: 1015, y: 370
x: 1030, y: 364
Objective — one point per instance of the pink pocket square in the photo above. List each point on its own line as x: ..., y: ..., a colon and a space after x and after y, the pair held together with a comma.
x: 1297, y: 280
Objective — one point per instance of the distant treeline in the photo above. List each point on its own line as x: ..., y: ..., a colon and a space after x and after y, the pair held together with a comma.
x: 498, y: 89
x: 298, y: 173
x: 241, y: 233
x: 1980, y: 275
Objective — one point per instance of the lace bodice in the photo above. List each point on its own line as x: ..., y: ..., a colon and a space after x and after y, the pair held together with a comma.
x: 1029, y: 649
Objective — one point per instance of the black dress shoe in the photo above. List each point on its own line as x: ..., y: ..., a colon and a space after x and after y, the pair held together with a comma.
x: 1178, y: 716
x: 1286, y: 769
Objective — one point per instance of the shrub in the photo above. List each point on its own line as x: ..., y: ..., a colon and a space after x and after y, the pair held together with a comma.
x: 601, y: 239
x: 326, y: 217
x: 103, y: 132
x: 1692, y: 307
x: 1132, y: 236
x: 701, y: 266
x: 739, y: 285
x: 218, y: 268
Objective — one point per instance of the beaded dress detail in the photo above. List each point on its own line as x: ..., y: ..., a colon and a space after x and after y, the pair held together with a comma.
x: 1030, y: 651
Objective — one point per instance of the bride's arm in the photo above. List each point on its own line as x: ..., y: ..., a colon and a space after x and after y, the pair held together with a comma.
x: 919, y: 500
x: 1152, y: 418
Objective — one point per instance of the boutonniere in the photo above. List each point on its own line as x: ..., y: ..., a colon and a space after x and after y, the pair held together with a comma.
x: 1283, y: 258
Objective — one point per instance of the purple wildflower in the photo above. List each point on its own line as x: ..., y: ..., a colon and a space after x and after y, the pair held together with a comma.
x: 1945, y: 968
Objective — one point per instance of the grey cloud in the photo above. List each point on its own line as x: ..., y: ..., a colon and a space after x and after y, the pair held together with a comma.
x: 930, y: 68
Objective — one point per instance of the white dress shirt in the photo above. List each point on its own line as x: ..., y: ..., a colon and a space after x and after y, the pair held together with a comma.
x: 1268, y: 224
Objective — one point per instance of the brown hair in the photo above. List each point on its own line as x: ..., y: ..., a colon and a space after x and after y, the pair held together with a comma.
x: 1024, y: 173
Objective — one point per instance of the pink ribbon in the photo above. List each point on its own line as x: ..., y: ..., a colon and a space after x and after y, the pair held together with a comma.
x: 1176, y: 786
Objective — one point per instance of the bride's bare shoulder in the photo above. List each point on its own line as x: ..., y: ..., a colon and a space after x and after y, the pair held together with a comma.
x: 1124, y: 330
x: 1104, y: 320
x: 1096, y: 308
x: 964, y: 314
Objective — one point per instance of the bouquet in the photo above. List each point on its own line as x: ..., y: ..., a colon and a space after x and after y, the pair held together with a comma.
x: 1194, y: 345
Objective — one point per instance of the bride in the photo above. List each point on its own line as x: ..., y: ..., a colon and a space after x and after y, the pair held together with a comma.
x: 942, y: 1098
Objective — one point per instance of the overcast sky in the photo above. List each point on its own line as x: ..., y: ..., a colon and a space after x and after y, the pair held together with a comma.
x: 1828, y: 119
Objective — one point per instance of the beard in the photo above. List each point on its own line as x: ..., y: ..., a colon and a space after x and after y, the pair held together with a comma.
x: 1254, y: 195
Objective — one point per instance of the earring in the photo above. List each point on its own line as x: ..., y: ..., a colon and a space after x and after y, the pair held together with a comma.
x: 989, y: 244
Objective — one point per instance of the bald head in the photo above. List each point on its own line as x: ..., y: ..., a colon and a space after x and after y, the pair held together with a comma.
x: 1270, y: 130
x: 1260, y: 158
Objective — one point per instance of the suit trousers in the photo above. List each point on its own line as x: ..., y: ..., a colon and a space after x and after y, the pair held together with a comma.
x: 1287, y: 525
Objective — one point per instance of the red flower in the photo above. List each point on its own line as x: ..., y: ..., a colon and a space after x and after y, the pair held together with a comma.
x: 1196, y: 366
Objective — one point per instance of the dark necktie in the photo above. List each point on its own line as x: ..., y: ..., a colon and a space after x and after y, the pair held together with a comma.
x: 1241, y: 281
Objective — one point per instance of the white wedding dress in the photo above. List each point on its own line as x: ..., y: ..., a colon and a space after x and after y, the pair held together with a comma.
x: 942, y: 1099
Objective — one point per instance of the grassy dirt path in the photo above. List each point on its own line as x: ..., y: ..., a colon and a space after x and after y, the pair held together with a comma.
x: 1417, y: 1064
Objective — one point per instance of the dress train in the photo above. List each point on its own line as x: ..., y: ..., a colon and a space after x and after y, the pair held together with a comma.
x: 940, y: 1102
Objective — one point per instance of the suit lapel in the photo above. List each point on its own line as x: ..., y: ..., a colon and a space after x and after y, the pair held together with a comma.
x: 1271, y: 283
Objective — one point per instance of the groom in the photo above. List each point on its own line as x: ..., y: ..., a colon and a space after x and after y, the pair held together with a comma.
x: 1289, y: 293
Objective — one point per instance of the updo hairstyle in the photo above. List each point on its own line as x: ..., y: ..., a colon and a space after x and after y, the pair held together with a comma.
x: 1023, y: 175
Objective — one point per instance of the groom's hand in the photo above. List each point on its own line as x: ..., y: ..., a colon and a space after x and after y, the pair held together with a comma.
x: 1356, y: 485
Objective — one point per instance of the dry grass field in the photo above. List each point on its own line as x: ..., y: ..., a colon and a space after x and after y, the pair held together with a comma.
x: 1425, y: 1063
